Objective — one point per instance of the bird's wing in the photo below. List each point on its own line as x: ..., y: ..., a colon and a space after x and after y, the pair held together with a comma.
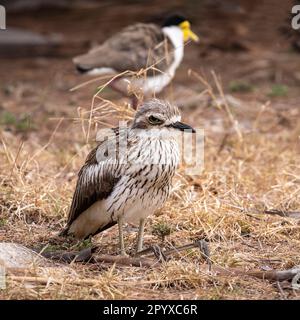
x: 96, y: 179
x: 135, y: 47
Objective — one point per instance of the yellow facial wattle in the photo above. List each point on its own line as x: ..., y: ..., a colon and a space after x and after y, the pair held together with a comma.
x: 187, y: 32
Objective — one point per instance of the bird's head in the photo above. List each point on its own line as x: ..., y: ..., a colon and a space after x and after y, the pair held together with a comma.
x: 159, y: 115
x: 182, y: 23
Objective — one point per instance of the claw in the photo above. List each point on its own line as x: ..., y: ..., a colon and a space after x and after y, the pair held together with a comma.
x: 157, y: 251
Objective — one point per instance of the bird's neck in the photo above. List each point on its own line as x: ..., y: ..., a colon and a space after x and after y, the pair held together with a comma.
x: 162, y: 134
x: 175, y: 34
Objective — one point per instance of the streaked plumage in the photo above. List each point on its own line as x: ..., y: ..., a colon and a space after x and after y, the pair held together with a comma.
x: 138, y: 47
x: 129, y: 184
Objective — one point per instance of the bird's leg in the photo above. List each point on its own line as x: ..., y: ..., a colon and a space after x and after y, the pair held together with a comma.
x: 139, y: 246
x: 121, y: 236
x: 120, y: 87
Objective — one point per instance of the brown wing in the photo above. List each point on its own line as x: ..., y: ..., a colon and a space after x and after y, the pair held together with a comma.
x: 96, y: 180
x: 135, y: 47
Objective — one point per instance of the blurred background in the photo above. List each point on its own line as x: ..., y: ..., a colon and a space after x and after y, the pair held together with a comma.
x: 250, y: 45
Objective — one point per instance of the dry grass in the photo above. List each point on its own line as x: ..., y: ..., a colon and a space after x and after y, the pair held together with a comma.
x: 251, y: 164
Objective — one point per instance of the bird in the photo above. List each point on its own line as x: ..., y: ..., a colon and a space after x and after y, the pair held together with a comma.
x: 118, y: 185
x: 157, y: 50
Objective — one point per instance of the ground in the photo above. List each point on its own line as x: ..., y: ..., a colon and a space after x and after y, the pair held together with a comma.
x: 244, y: 94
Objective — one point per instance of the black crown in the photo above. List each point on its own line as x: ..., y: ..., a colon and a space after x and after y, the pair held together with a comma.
x: 174, y: 20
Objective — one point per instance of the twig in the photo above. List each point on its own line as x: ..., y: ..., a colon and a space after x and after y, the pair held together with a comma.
x: 290, y: 214
x: 46, y: 280
x: 151, y: 250
x: 163, y: 255
x: 274, y: 275
x: 127, y: 261
x: 86, y: 255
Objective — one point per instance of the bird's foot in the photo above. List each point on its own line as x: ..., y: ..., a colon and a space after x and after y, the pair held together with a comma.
x: 124, y: 254
x: 161, y: 255
x: 156, y: 250
x: 158, y: 253
x: 138, y: 250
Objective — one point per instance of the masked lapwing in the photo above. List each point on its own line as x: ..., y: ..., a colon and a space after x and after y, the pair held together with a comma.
x: 151, y: 52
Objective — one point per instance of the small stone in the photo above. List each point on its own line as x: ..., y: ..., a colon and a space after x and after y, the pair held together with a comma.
x: 16, y: 256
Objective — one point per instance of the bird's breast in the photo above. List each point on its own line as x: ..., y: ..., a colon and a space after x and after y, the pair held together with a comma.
x: 146, y: 181
x: 160, y: 151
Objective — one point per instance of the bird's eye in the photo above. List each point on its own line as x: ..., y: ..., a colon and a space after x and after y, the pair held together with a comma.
x: 155, y: 121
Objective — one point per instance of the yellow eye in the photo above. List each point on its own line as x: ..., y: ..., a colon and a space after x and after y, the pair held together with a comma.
x: 154, y: 121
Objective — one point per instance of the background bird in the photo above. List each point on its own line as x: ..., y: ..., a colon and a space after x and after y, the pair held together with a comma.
x: 118, y: 184
x: 158, y: 50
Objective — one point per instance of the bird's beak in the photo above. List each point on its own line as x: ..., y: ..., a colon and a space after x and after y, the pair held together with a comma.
x: 182, y: 126
x: 187, y: 32
x: 193, y: 36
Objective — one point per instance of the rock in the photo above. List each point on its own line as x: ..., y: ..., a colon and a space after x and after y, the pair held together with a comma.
x: 21, y: 5
x: 15, y: 36
x: 30, y: 268
x: 34, y: 5
x: 16, y: 256
x: 15, y: 42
